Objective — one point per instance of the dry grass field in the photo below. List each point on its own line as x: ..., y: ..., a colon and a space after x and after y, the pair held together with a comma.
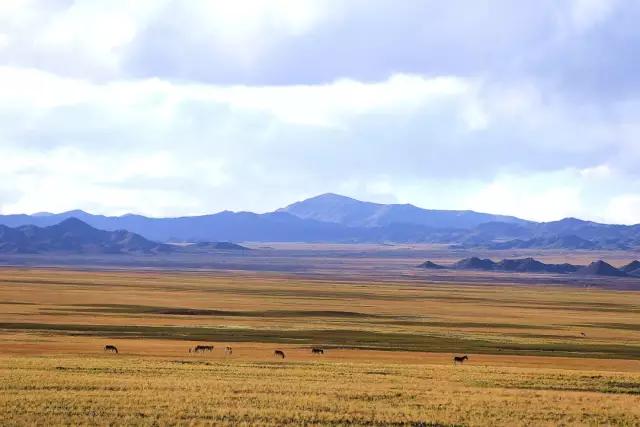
x: 184, y: 391
x: 389, y: 348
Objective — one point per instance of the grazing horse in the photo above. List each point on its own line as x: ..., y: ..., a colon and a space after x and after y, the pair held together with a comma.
x: 582, y: 334
x: 228, y: 351
x: 202, y: 348
x: 111, y: 348
x: 459, y: 359
x: 279, y: 353
x: 316, y: 350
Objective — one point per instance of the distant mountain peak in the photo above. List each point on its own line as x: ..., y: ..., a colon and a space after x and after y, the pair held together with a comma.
x: 601, y: 268
x: 332, y: 196
x: 631, y: 267
x: 328, y: 198
x: 571, y: 221
x: 73, y: 223
x: 42, y: 214
x: 75, y: 212
x: 335, y: 208
x: 475, y: 263
x: 430, y: 265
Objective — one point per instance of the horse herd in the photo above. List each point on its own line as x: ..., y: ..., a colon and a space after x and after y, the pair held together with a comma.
x: 228, y: 351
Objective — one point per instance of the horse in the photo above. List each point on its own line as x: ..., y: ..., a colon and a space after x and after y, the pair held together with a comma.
x: 582, y: 334
x: 202, y: 348
x: 460, y: 359
x: 228, y: 351
x: 279, y: 353
x: 316, y: 350
x: 208, y: 348
x: 111, y: 348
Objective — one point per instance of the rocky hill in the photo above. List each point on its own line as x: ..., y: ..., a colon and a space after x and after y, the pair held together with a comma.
x: 531, y: 265
x: 74, y: 236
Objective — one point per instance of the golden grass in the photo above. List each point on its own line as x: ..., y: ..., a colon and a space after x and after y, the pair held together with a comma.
x: 57, y: 373
x: 519, y: 315
x: 191, y: 390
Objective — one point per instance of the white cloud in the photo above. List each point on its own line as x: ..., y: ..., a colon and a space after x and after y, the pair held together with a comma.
x: 596, y: 172
x: 332, y: 104
x: 540, y: 197
x: 586, y: 13
x: 4, y: 40
x: 624, y: 209
x: 241, y: 23
x: 92, y: 38
x: 170, y: 108
x: 167, y: 148
x: 67, y: 178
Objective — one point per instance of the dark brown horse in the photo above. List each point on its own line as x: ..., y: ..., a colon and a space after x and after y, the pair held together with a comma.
x: 316, y: 350
x: 202, y: 348
x: 460, y: 359
x: 111, y: 348
x: 279, y: 353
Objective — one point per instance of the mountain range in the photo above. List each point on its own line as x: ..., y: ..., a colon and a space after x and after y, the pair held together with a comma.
x: 335, y: 218
x: 531, y: 265
x: 333, y: 208
x: 75, y: 236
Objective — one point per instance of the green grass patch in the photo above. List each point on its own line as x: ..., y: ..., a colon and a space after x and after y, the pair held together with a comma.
x: 621, y: 326
x: 339, y: 339
x: 179, y: 311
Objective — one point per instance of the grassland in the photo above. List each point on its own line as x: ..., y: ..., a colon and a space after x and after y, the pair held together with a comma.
x: 388, y: 361
x: 161, y: 391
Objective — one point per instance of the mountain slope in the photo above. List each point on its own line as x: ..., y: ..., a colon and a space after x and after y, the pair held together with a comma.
x: 475, y: 263
x: 529, y: 265
x: 223, y: 226
x: 569, y: 241
x: 430, y: 265
x: 631, y: 268
x: 214, y: 246
x: 601, y: 268
x: 355, y: 213
x: 75, y: 236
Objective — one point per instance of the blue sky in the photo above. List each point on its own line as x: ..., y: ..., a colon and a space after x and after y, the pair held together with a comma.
x: 177, y: 108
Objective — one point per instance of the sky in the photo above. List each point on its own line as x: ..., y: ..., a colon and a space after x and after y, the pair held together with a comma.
x: 167, y: 108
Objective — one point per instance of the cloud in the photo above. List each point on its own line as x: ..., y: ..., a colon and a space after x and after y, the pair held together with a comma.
x: 170, y: 108
x: 575, y: 44
x: 167, y: 148
x: 624, y: 209
x: 524, y: 197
